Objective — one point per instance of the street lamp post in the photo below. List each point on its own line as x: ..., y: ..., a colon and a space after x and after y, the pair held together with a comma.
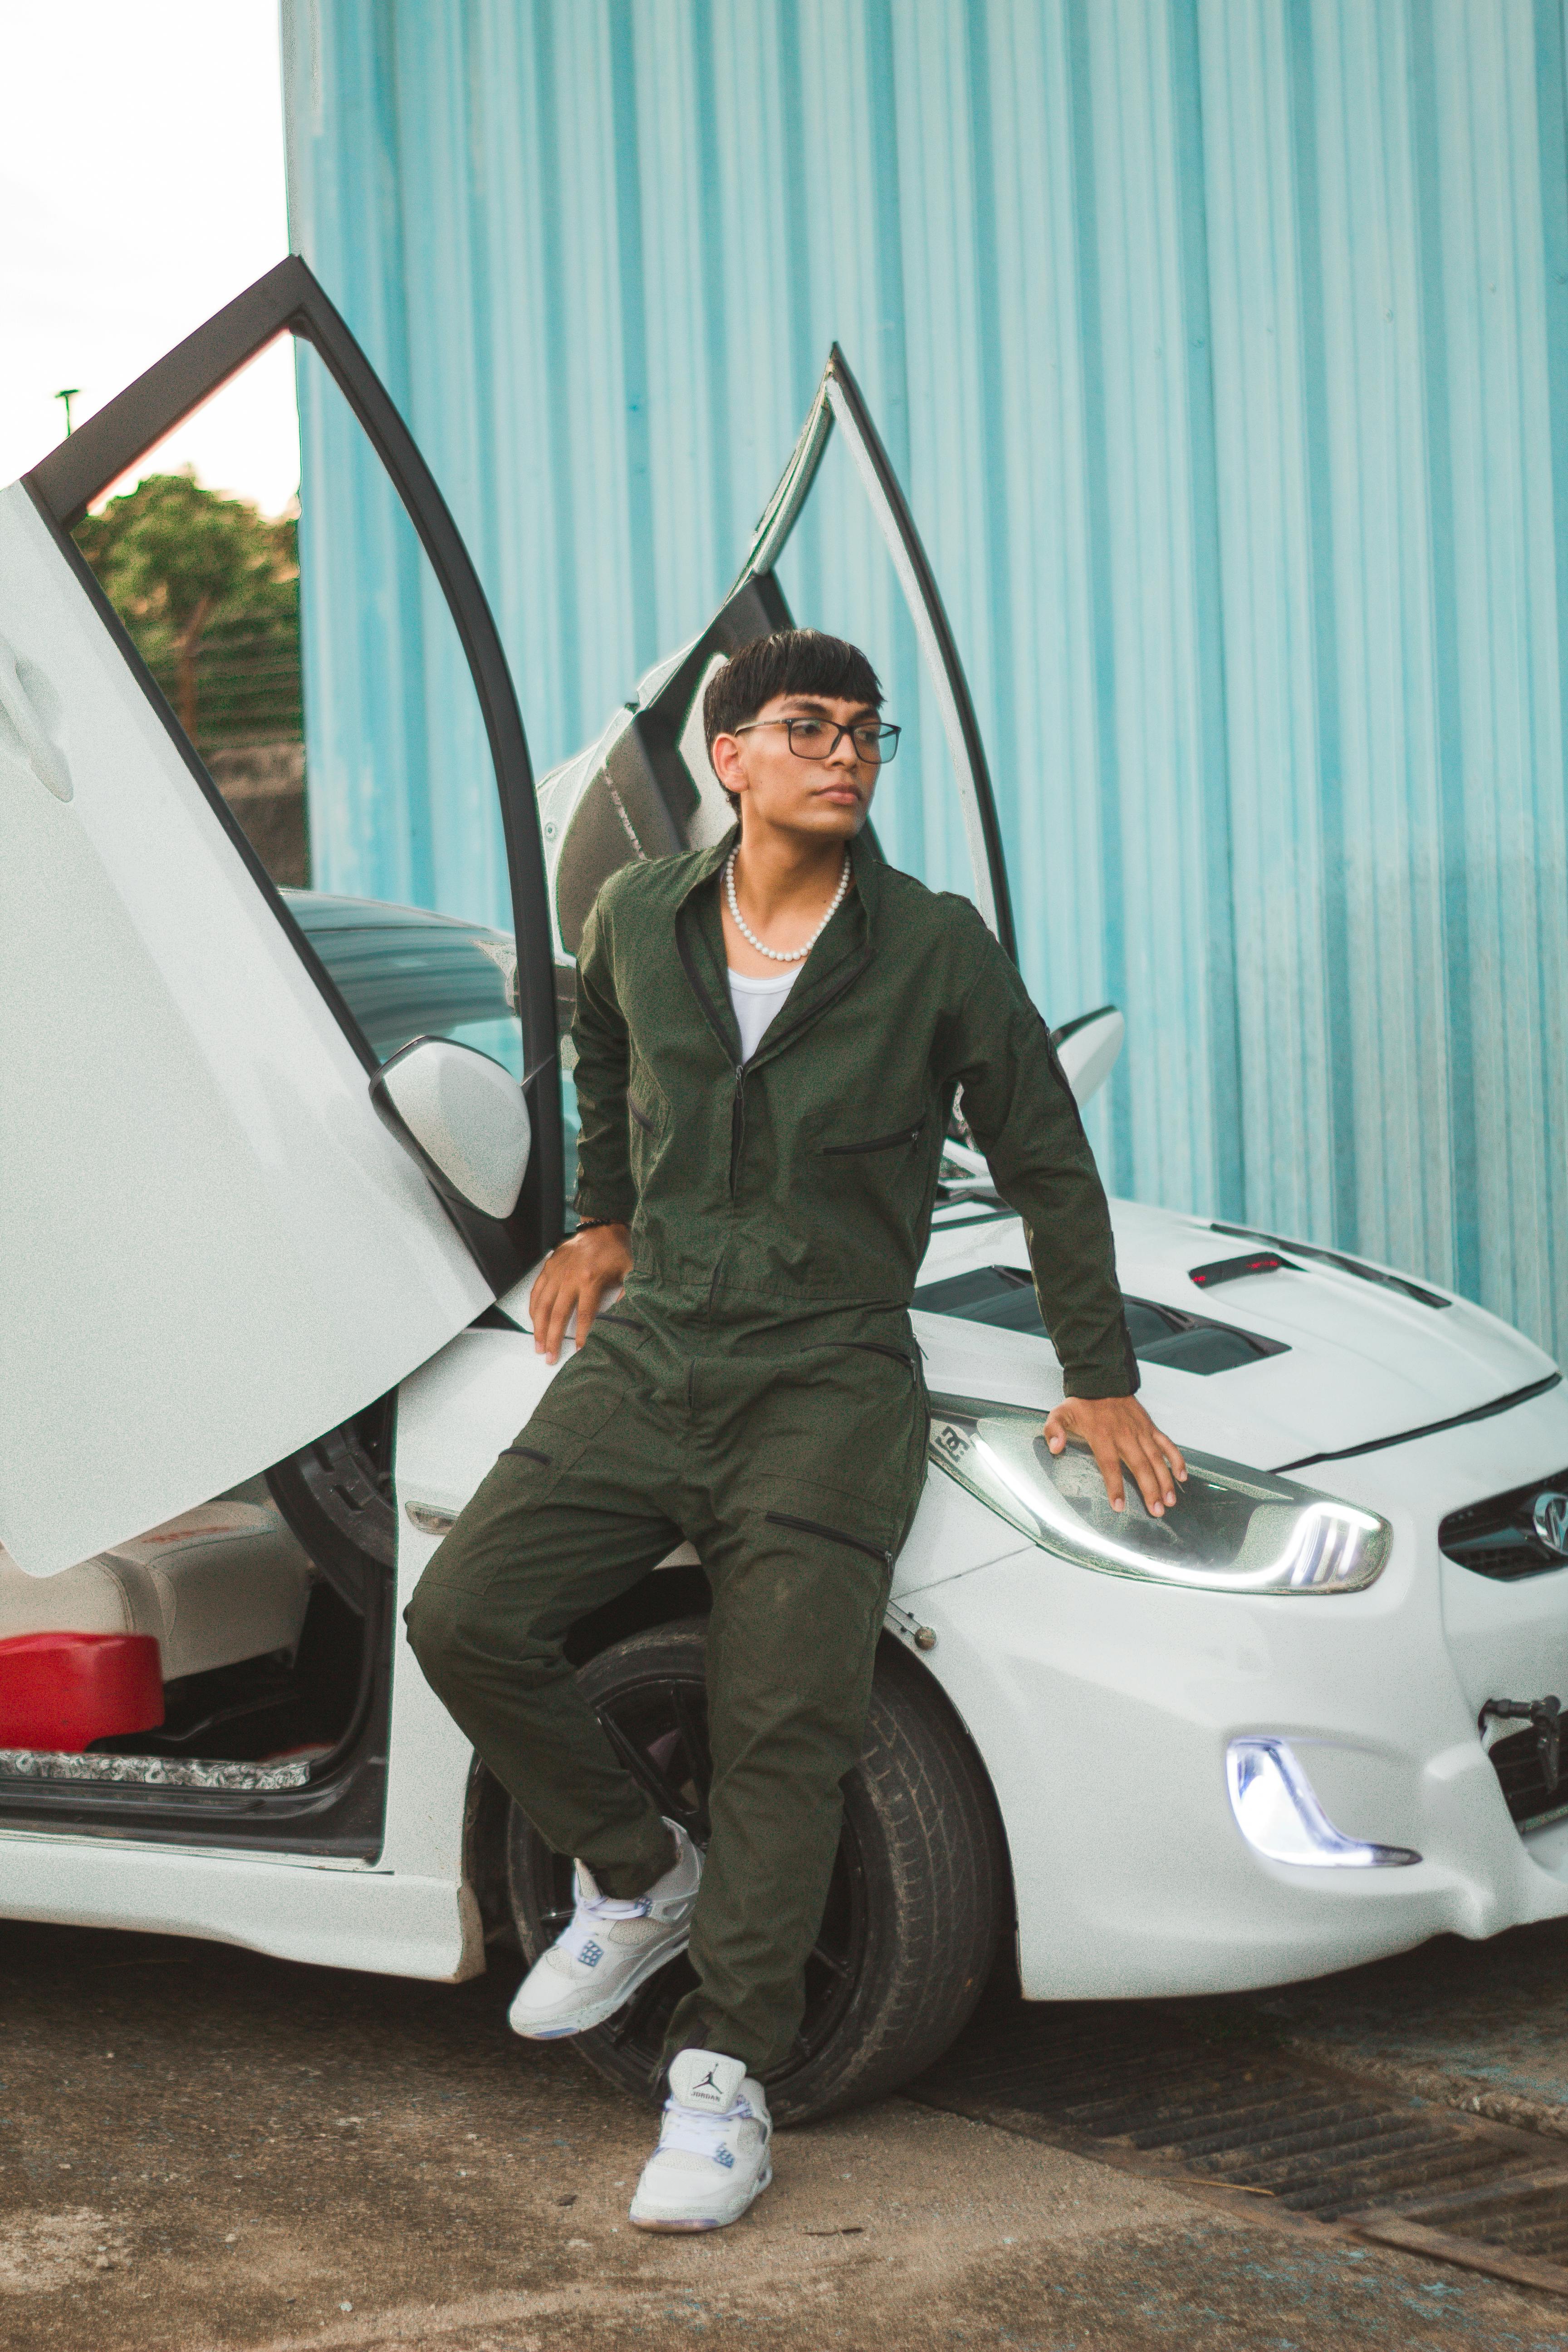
x: 72, y: 392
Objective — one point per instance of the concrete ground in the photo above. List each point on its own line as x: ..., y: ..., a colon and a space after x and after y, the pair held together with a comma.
x: 200, y: 2148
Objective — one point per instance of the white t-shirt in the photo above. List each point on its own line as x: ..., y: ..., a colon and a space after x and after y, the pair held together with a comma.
x: 756, y: 1002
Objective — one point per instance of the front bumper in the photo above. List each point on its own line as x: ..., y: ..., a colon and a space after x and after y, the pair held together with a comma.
x: 1104, y: 1709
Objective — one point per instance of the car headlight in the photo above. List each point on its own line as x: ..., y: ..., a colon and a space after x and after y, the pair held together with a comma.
x: 1232, y: 1530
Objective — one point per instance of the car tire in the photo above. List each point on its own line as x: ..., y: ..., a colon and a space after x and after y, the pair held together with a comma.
x: 914, y: 1914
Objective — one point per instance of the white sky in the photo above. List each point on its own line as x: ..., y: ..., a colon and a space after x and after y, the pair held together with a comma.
x: 140, y: 187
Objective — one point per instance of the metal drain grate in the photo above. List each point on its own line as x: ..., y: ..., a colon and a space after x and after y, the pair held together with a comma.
x: 1133, y: 2085
x: 1526, y: 2210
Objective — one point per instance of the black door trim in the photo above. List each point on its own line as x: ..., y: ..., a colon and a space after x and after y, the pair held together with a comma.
x: 930, y: 596
x: 779, y: 518
x: 290, y: 298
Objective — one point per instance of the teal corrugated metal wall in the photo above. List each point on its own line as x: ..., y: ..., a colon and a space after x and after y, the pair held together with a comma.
x: 1222, y: 346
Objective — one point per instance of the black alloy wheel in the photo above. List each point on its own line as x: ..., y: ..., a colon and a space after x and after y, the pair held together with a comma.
x: 910, y: 1928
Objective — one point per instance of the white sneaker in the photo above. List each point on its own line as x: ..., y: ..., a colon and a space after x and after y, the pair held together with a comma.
x: 610, y: 1947
x: 713, y: 2158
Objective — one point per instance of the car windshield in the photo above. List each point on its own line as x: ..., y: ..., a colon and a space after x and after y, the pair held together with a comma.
x: 407, y: 974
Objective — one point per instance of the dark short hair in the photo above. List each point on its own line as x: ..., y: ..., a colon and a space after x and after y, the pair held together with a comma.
x: 792, y: 661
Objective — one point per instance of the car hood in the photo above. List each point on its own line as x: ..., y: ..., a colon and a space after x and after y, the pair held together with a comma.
x: 1360, y: 1362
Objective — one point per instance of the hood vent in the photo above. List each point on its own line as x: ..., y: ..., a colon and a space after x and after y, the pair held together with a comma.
x: 1342, y: 1264
x: 1004, y: 1297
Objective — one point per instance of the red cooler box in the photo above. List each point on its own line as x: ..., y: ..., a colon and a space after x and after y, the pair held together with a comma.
x: 62, y: 1690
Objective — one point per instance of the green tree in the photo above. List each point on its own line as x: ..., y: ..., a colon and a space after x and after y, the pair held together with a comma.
x: 209, y: 589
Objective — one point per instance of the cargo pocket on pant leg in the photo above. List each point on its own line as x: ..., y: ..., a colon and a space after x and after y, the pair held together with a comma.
x: 844, y: 1556
x: 831, y: 1534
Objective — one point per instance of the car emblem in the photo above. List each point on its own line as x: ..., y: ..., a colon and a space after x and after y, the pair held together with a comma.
x: 1550, y: 1518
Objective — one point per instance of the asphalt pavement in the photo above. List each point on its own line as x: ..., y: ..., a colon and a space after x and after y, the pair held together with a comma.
x: 203, y: 2147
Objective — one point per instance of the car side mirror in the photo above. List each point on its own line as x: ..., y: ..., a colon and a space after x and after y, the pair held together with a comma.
x: 1087, y: 1049
x: 461, y: 1117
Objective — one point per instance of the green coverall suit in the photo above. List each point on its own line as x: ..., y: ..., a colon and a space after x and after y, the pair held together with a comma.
x: 757, y: 1391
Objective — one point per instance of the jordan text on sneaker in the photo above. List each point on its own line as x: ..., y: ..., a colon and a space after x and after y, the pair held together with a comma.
x: 607, y: 1950
x: 713, y: 2156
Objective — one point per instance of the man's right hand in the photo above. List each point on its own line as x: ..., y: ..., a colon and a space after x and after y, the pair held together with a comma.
x: 573, y: 1280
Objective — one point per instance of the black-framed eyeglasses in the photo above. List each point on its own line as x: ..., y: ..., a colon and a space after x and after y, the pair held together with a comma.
x: 818, y: 738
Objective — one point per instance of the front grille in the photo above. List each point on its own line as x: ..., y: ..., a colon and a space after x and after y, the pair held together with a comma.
x: 1521, y: 1769
x: 1500, y: 1538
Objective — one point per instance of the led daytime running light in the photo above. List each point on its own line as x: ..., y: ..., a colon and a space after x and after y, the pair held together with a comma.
x: 1277, y: 1813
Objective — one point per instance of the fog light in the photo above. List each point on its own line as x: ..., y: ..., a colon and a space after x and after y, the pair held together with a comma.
x: 1278, y: 1814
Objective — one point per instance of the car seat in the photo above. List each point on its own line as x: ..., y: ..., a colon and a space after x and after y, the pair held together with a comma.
x: 219, y: 1584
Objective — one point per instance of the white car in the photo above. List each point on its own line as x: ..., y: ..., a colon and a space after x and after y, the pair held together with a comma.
x: 272, y: 1197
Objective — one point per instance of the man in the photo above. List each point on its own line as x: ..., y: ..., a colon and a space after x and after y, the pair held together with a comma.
x: 769, y: 1037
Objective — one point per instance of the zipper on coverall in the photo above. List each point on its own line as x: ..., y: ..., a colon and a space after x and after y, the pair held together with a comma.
x: 737, y: 1124
x: 738, y: 1099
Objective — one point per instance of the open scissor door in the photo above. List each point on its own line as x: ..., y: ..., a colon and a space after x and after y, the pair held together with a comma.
x: 646, y: 789
x: 215, y: 1249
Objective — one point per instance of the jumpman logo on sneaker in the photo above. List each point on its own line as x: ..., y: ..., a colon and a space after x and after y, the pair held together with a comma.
x: 706, y: 2083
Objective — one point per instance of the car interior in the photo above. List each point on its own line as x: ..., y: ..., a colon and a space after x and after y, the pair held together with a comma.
x: 225, y: 1591
x: 261, y: 1611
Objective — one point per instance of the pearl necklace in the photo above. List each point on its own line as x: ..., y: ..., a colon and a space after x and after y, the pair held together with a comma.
x: 781, y: 955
